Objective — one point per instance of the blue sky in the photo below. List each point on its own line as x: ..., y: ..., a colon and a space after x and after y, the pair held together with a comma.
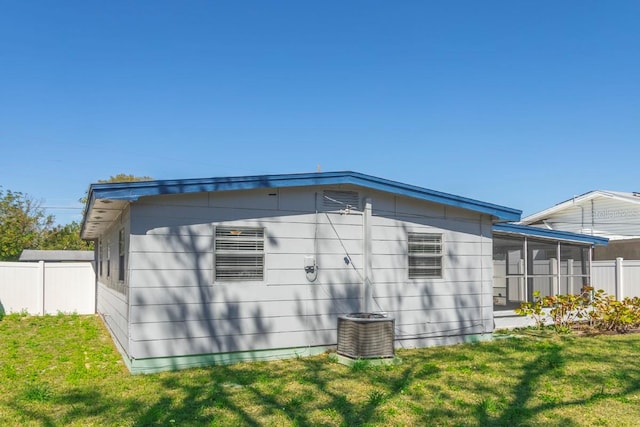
x: 519, y: 103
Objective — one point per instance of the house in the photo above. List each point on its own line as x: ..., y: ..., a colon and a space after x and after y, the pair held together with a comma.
x: 611, y: 214
x: 201, y: 271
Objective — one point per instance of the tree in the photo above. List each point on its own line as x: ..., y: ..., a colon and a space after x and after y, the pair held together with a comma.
x: 65, y: 237
x: 121, y: 177
x: 22, y: 224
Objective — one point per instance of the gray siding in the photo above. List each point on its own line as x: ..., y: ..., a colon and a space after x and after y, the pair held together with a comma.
x: 177, y: 309
x: 112, y: 306
x: 428, y: 311
x: 112, y: 298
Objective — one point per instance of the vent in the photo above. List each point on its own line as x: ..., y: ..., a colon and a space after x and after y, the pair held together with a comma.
x: 335, y: 200
x: 365, y: 336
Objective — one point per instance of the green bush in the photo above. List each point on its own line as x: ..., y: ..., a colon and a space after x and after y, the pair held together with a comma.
x: 597, y: 309
x: 534, y: 309
x: 568, y: 309
x: 608, y: 314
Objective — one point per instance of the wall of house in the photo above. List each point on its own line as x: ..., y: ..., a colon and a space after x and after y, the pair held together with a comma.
x: 113, y: 294
x: 176, y: 308
x: 432, y: 311
x: 600, y: 216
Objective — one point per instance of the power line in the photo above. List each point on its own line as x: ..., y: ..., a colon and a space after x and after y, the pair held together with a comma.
x: 61, y: 207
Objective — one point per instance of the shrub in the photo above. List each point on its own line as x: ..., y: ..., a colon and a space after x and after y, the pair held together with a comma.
x: 533, y: 309
x: 600, y: 310
x: 565, y: 310
x: 568, y: 309
x: 608, y: 314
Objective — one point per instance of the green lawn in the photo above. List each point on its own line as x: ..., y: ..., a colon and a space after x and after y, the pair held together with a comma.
x: 64, y: 370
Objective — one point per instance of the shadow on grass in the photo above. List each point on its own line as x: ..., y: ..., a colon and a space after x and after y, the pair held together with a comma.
x: 247, y: 394
x: 547, y: 365
x: 80, y: 405
x: 267, y: 395
x: 295, y: 393
x: 549, y: 361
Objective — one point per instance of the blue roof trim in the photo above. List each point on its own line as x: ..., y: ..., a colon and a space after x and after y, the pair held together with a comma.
x: 131, y: 191
x: 549, y: 234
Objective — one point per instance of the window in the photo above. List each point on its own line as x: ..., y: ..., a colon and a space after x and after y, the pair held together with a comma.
x: 239, y: 254
x: 121, y: 268
x: 425, y: 255
x: 105, y: 254
x: 108, y: 258
x: 101, y: 255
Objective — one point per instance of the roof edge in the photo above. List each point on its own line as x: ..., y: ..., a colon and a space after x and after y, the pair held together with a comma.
x: 543, y: 214
x: 529, y: 230
x: 537, y: 216
x: 132, y: 191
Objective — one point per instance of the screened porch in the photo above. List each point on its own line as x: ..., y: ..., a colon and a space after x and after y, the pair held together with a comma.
x: 531, y: 259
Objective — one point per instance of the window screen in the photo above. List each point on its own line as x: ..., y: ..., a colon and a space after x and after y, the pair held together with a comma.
x: 425, y: 255
x: 239, y: 253
x: 121, y: 266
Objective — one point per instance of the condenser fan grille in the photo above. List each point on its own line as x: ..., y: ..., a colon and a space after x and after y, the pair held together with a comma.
x: 365, y: 336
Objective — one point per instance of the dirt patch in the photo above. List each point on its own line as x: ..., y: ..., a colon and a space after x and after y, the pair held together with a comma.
x: 590, y: 331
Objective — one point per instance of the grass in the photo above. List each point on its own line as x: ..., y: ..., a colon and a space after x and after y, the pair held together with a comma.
x: 64, y: 370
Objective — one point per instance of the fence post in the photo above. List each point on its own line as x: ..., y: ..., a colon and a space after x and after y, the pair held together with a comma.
x: 619, y: 278
x: 40, y: 292
x: 570, y: 276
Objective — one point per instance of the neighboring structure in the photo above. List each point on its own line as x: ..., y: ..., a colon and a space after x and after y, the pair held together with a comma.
x: 194, y: 272
x: 611, y: 214
x: 35, y: 255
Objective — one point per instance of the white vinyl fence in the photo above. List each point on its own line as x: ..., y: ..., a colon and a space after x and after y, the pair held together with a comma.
x: 620, y: 278
x: 47, y: 287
